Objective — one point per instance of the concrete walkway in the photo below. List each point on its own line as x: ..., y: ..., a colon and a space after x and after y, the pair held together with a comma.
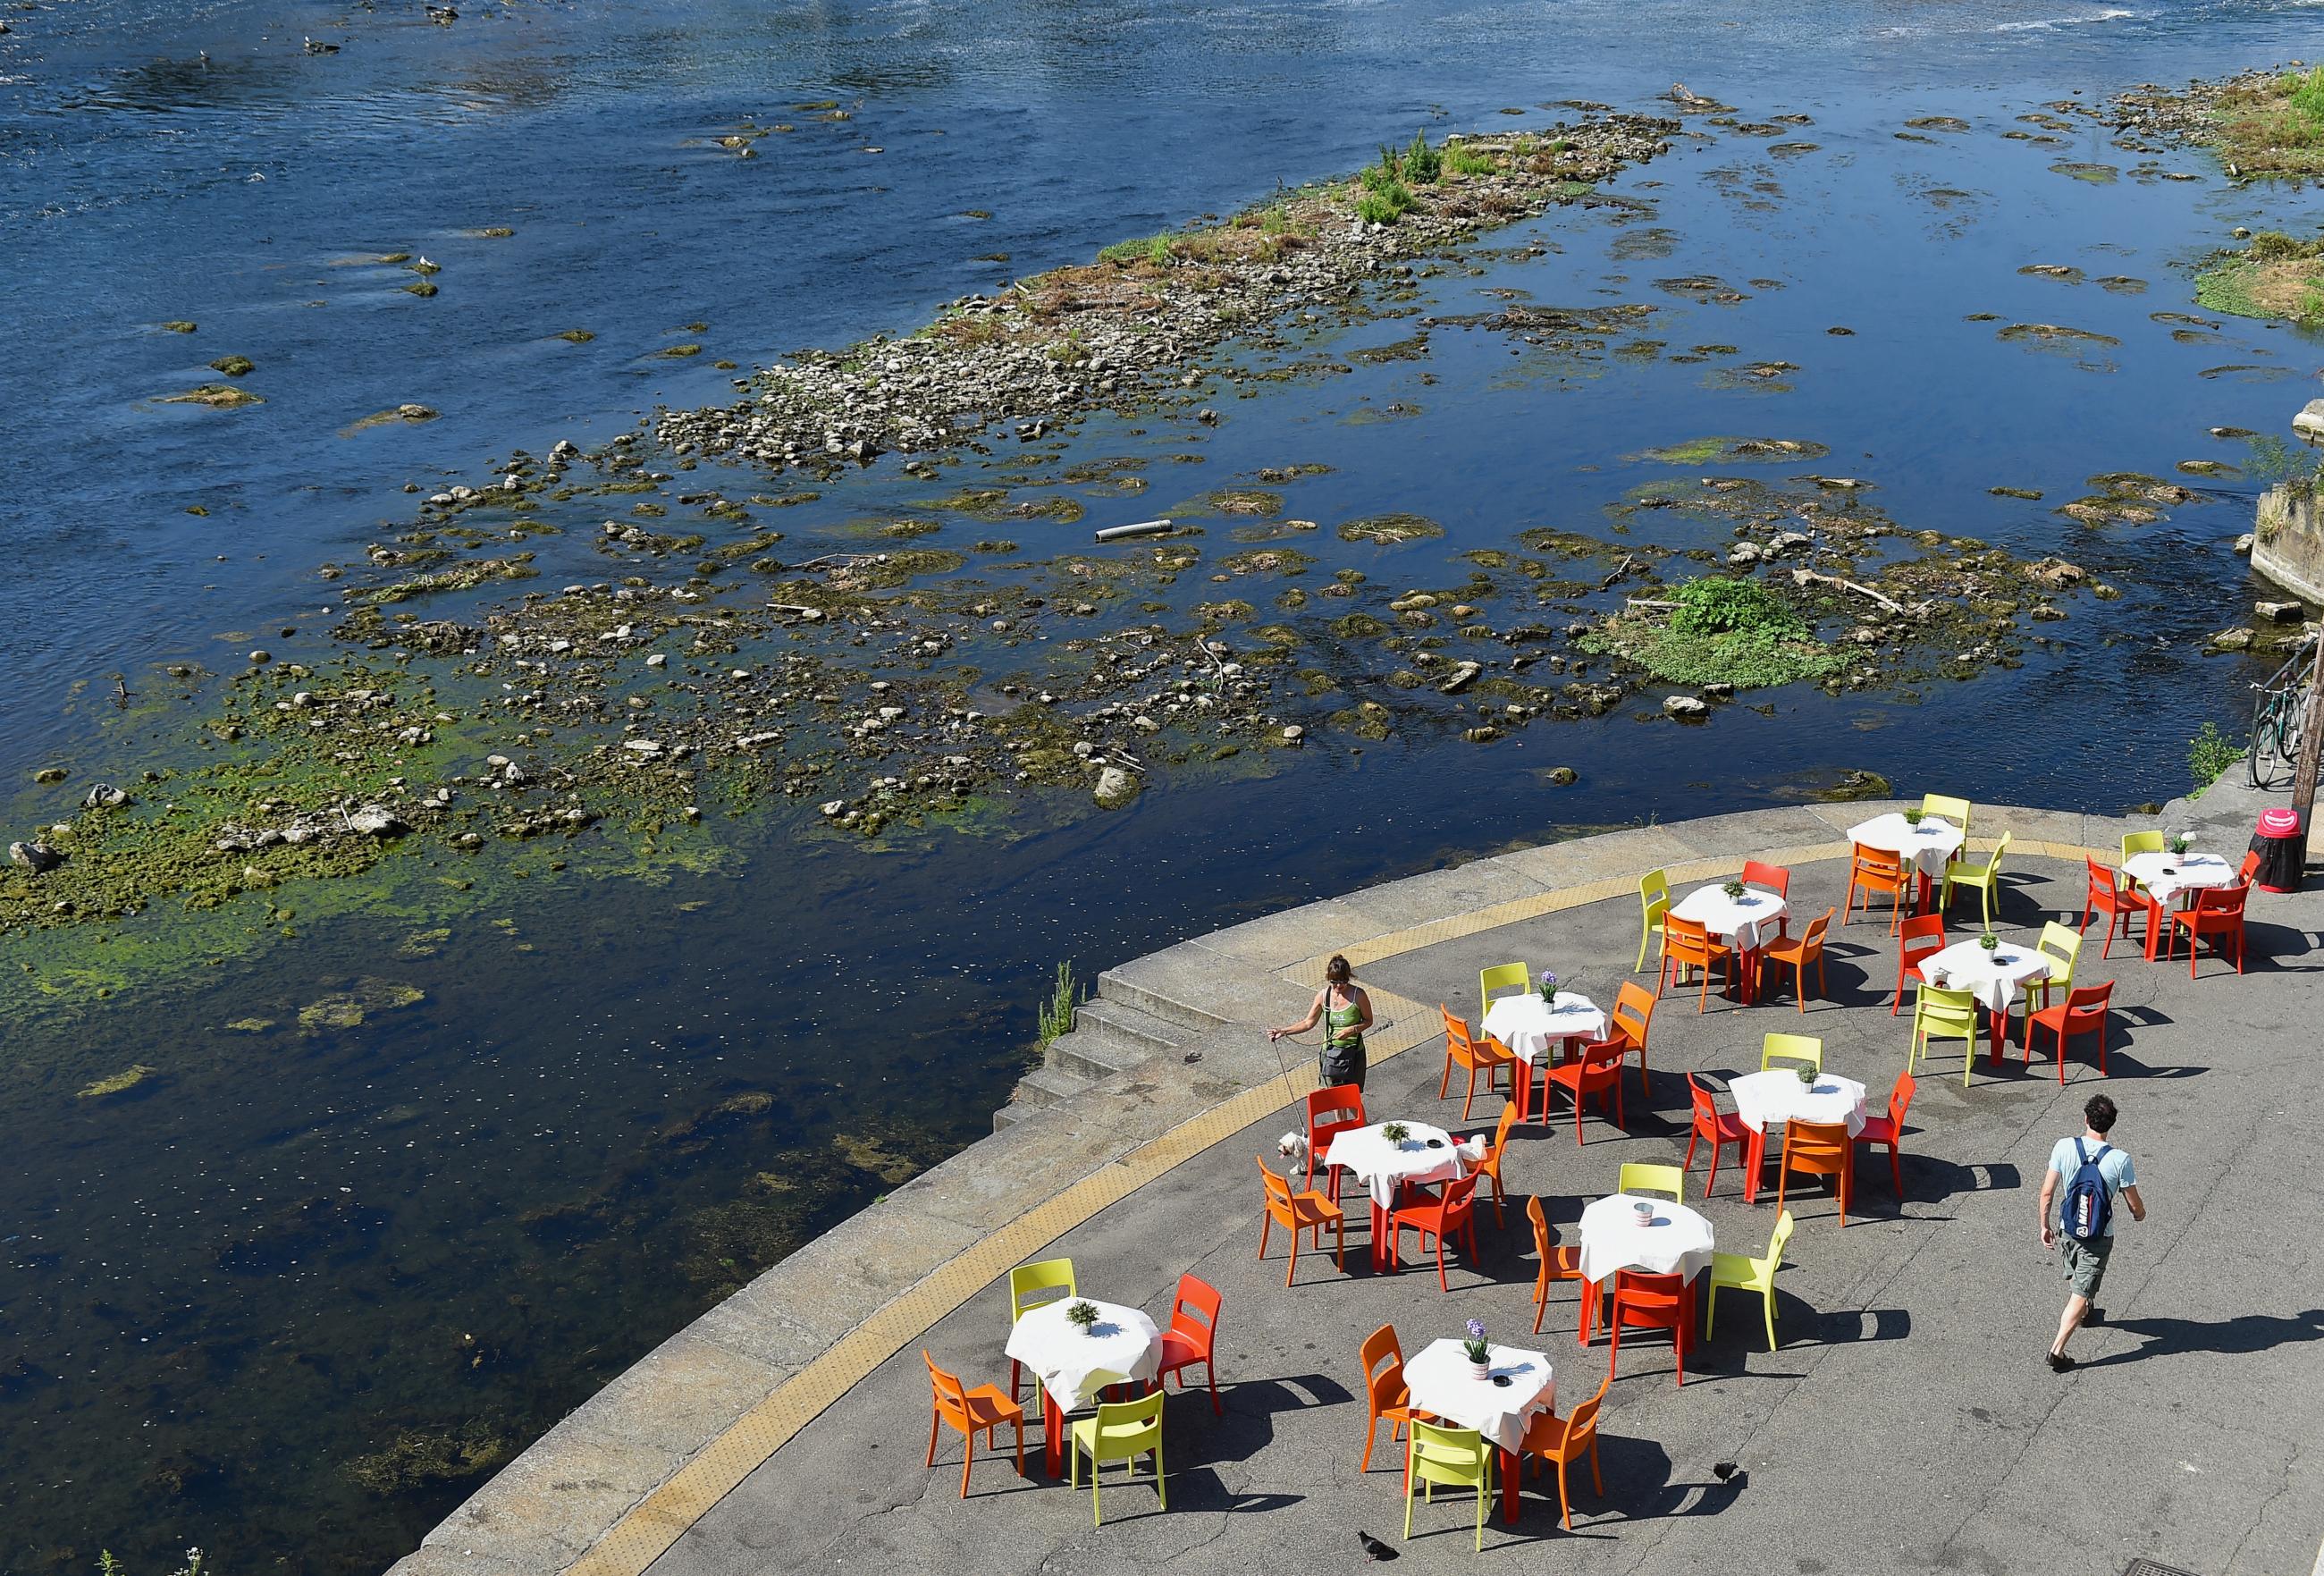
x: 1907, y: 1421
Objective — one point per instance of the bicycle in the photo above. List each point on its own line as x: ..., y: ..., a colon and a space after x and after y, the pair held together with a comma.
x: 2278, y: 719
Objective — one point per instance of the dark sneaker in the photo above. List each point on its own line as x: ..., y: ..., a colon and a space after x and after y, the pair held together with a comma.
x: 2059, y: 1361
x: 2093, y: 1314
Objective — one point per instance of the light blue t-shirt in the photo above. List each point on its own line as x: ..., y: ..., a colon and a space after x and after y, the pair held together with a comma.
x: 2114, y: 1166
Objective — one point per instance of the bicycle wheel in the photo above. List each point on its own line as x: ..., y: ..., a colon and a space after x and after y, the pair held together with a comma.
x: 2267, y: 740
x: 2291, y: 725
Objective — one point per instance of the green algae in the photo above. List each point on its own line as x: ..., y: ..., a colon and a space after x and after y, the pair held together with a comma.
x: 217, y: 396
x: 1390, y: 529
x: 120, y: 1082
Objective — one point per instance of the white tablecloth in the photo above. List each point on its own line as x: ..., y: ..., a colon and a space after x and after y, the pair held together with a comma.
x: 1777, y: 1095
x: 1928, y: 845
x: 1383, y: 1166
x: 1612, y: 1238
x: 1748, y: 920
x: 1529, y: 1027
x: 1998, y: 978
x: 1122, y: 1345
x: 2192, y: 873
x: 1440, y: 1381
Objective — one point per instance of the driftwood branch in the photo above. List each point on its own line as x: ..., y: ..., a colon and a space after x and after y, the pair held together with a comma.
x: 1811, y: 578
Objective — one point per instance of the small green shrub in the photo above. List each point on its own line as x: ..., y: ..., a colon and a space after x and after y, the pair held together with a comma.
x: 1056, y: 1014
x: 1422, y: 163
x: 1721, y: 631
x: 2306, y: 93
x: 1154, y: 249
x: 1385, y: 198
x: 1717, y: 605
x: 2209, y: 753
x: 1461, y: 160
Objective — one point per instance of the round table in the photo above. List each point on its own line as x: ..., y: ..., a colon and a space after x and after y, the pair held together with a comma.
x: 1122, y: 1346
x: 1776, y: 1095
x: 1529, y: 1027
x: 1931, y: 845
x: 1384, y: 1169
x: 1441, y: 1382
x: 2167, y: 876
x: 1996, y: 978
x: 1745, y: 921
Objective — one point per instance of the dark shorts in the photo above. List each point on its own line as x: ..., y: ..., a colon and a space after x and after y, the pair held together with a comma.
x: 2086, y: 1263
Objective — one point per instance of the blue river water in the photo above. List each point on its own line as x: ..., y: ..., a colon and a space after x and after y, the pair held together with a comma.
x: 291, y: 1305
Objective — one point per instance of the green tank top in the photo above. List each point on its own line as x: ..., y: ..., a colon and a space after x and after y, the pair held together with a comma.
x: 1339, y: 1024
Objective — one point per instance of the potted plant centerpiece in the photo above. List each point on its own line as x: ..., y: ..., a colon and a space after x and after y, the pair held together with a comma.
x: 1480, y: 1351
x: 1548, y: 989
x: 1395, y: 1132
x: 1988, y: 941
x: 1913, y: 817
x: 1734, y: 888
x: 1083, y: 1315
x: 2179, y: 844
x: 1807, y: 1075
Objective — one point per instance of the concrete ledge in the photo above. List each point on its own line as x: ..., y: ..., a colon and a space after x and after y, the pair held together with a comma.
x: 610, y: 1488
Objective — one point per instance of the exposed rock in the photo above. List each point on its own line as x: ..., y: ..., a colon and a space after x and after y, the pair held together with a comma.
x: 2309, y: 423
x: 377, y: 820
x: 1685, y: 708
x: 2230, y: 641
x: 105, y: 796
x: 1115, y: 788
x: 36, y: 856
x: 1459, y: 678
x: 2279, y: 612
x: 1563, y: 775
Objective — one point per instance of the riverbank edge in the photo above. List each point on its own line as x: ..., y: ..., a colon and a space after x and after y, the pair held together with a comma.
x: 607, y: 1490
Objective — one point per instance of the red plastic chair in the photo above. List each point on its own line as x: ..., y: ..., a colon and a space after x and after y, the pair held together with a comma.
x: 1385, y: 1391
x: 1720, y: 1127
x: 1491, y: 1165
x: 2250, y: 867
x: 1817, y: 1149
x: 1597, y: 1073
x: 1890, y: 1129
x: 1331, y: 1110
x: 1687, y: 945
x: 1651, y: 1302
x: 1919, y: 940
x: 969, y: 1412
x: 2218, y: 911
x: 2083, y: 1011
x: 1297, y: 1212
x: 1451, y: 1213
x: 2109, y: 896
x: 1193, y: 1331
x: 1876, y: 869
x: 1777, y: 880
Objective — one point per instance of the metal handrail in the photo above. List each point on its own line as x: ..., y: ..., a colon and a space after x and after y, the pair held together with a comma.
x: 2294, y: 673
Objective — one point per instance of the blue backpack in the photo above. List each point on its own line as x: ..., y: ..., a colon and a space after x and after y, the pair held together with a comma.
x: 2089, y: 1208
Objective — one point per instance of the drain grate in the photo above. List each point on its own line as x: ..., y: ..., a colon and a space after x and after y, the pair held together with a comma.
x: 2149, y: 1568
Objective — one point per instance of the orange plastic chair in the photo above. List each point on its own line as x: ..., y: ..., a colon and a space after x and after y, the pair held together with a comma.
x: 1634, y: 1016
x: 1557, y: 1263
x: 1451, y: 1213
x: 1333, y: 1110
x: 1917, y: 941
x: 1688, y: 944
x: 2218, y: 911
x: 2109, y: 896
x: 1491, y: 1165
x: 2083, y: 1011
x: 970, y: 1413
x: 1385, y: 1391
x: 1819, y: 1149
x: 1889, y: 1129
x: 1295, y: 1212
x: 2250, y: 867
x: 1720, y: 1127
x: 1599, y: 1073
x: 1484, y: 1056
x: 1563, y: 1440
x: 1652, y: 1301
x: 1876, y: 869
x: 1192, y: 1336
x: 1807, y: 949
x: 1776, y: 879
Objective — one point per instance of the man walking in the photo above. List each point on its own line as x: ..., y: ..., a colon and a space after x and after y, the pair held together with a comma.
x: 2093, y: 1173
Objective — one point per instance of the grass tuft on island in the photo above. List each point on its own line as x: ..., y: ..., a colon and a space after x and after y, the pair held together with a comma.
x: 1716, y: 630
x: 2276, y: 276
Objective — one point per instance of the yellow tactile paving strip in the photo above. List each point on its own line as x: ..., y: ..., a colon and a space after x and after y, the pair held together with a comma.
x: 646, y: 1532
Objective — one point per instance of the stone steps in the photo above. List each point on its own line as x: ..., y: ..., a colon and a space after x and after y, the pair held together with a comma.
x: 1111, y: 1037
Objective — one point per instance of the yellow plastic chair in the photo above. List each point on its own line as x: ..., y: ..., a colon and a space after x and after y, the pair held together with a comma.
x: 1791, y: 1047
x: 1637, y: 1176
x: 1458, y: 1458
x: 1500, y: 977
x: 1030, y: 1285
x: 2063, y: 946
x: 1986, y: 878
x: 1944, y: 1015
x: 1122, y: 1431
x: 1948, y: 808
x: 1653, y: 902
x: 1733, y: 1270
x: 2140, y: 842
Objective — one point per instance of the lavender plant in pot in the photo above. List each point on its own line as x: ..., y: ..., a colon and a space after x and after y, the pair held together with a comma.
x: 1480, y: 1351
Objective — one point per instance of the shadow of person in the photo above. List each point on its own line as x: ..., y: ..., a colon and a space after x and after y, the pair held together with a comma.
x: 2241, y: 1336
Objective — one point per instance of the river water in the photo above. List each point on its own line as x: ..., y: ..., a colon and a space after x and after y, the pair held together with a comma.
x: 291, y: 1297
